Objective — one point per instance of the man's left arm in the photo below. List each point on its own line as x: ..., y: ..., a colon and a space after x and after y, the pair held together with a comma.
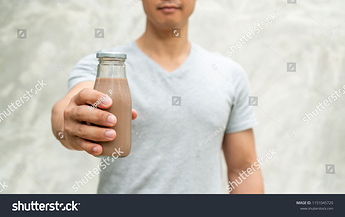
x: 240, y: 156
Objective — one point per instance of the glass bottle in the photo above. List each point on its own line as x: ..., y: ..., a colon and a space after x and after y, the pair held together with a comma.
x: 112, y: 80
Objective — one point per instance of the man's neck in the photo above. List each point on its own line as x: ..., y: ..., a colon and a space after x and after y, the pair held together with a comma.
x: 161, y: 46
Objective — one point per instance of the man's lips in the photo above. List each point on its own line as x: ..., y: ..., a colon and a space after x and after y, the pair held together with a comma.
x: 169, y: 8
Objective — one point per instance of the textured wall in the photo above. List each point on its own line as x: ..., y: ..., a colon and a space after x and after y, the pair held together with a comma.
x: 58, y: 33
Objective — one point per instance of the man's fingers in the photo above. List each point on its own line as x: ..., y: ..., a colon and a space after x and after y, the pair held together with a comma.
x: 96, y: 116
x: 90, y: 132
x: 89, y: 147
x: 96, y: 99
x: 93, y: 98
x: 134, y: 114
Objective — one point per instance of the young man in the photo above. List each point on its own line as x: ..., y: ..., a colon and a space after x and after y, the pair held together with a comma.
x: 176, y: 147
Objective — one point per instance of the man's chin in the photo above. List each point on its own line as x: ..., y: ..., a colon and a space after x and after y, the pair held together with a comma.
x: 168, y: 25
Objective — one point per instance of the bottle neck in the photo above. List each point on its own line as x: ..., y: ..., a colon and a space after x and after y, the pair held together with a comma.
x: 111, y: 68
x: 110, y: 61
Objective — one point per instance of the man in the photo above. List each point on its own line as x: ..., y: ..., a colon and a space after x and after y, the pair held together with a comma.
x: 192, y: 106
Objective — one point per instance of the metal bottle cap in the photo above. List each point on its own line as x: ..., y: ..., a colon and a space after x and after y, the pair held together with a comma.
x: 111, y: 54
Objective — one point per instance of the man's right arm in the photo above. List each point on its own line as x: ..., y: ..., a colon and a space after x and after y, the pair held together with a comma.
x: 71, y: 113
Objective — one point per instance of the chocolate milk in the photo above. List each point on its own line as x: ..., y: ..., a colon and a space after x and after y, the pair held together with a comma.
x: 118, y: 90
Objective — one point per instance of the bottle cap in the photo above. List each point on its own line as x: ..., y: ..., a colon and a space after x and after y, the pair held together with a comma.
x: 111, y: 54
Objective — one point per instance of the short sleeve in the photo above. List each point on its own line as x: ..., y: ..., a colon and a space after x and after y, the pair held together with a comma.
x: 84, y: 70
x: 241, y: 116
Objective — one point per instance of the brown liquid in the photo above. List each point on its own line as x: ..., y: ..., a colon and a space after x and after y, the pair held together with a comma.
x: 118, y: 90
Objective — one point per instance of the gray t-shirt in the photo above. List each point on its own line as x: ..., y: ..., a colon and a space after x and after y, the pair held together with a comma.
x: 182, y: 118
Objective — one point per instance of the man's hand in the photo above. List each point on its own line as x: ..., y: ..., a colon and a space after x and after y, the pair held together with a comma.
x: 79, y: 120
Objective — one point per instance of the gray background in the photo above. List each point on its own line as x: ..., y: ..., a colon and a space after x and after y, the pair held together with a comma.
x: 59, y: 33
